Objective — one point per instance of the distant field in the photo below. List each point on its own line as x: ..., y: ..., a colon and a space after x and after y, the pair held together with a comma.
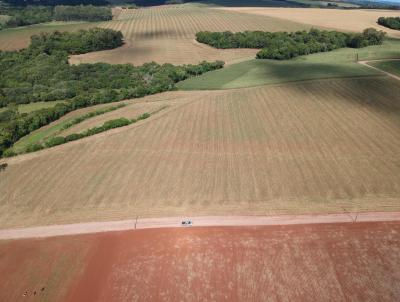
x: 166, y: 34
x: 334, y: 64
x: 294, y: 148
x: 346, y: 20
x: 389, y: 66
x: 317, y: 3
x: 247, y: 3
x: 328, y: 262
x: 19, y: 37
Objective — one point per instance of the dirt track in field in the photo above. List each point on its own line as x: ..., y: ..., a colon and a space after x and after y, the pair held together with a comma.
x: 365, y: 63
x: 324, y: 262
x: 210, y: 221
x: 311, y: 147
x: 166, y: 34
x: 348, y: 20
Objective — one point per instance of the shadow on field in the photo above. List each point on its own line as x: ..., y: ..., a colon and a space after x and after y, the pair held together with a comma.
x: 155, y: 34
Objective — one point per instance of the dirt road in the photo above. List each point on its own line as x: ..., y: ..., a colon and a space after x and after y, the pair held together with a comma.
x: 365, y: 63
x: 205, y: 221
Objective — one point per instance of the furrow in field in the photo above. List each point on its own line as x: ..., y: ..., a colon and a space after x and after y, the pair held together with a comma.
x: 308, y: 147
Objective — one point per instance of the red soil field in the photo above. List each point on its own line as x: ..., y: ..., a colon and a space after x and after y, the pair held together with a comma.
x: 327, y: 262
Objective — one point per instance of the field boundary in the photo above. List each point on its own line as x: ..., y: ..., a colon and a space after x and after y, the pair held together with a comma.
x: 366, y: 63
x: 203, y: 221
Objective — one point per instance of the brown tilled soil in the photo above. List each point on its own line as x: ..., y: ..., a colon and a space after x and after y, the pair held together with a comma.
x: 347, y: 20
x: 166, y: 34
x: 332, y: 262
x: 311, y: 147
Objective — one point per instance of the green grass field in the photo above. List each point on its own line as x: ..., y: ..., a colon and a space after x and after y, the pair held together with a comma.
x: 26, y: 108
x: 38, y: 136
x: 335, y: 64
x: 389, y: 66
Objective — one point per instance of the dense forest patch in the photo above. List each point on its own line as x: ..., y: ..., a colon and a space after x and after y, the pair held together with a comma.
x: 283, y: 45
x: 34, y: 14
x: 42, y: 73
x: 390, y: 22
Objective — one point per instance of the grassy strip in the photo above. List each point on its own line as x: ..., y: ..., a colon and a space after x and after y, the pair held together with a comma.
x: 89, y: 115
x: 108, y: 125
x: 37, y: 136
x: 335, y: 64
x: 392, y: 67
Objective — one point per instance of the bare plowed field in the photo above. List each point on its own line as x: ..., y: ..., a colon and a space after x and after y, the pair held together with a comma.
x: 347, y: 20
x: 166, y: 34
x: 321, y: 146
x: 332, y: 262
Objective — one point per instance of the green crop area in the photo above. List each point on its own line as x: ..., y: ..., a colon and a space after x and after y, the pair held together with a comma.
x: 26, y: 108
x: 335, y: 64
x: 389, y: 66
x: 38, y: 136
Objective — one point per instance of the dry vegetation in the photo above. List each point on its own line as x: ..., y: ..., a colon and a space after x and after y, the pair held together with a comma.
x: 346, y: 20
x: 321, y: 146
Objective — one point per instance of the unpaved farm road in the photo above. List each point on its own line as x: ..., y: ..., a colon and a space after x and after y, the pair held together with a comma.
x: 205, y: 221
x: 365, y: 63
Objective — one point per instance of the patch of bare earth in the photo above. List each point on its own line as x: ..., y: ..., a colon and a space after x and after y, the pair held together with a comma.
x: 311, y: 147
x: 329, y: 262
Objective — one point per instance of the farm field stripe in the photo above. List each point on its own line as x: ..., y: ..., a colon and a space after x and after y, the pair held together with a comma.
x: 204, y: 221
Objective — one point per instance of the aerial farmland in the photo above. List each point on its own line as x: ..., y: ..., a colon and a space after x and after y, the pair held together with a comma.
x: 210, y: 151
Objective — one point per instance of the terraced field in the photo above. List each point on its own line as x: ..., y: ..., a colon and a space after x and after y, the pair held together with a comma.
x: 166, y: 34
x: 321, y: 146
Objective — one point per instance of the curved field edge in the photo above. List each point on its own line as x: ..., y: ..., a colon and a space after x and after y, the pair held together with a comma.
x: 135, y: 107
x: 341, y: 63
x: 294, y: 148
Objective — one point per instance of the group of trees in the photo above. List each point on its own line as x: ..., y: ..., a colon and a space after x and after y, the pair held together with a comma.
x: 42, y: 73
x: 390, y: 22
x: 82, y: 12
x: 83, y: 41
x: 34, y: 14
x: 59, y: 140
x: 22, y: 16
x: 283, y: 45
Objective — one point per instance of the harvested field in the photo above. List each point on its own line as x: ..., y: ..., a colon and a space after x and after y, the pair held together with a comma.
x: 332, y: 262
x: 166, y: 34
x: 20, y: 37
x: 135, y: 108
x: 321, y: 146
x: 345, y: 20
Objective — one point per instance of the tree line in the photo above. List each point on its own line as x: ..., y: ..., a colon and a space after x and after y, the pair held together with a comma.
x: 34, y: 14
x: 284, y: 45
x: 42, y: 73
x: 59, y: 140
x: 390, y: 22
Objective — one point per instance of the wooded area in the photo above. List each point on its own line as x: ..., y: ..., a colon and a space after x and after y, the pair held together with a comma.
x: 283, y: 45
x: 42, y: 73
